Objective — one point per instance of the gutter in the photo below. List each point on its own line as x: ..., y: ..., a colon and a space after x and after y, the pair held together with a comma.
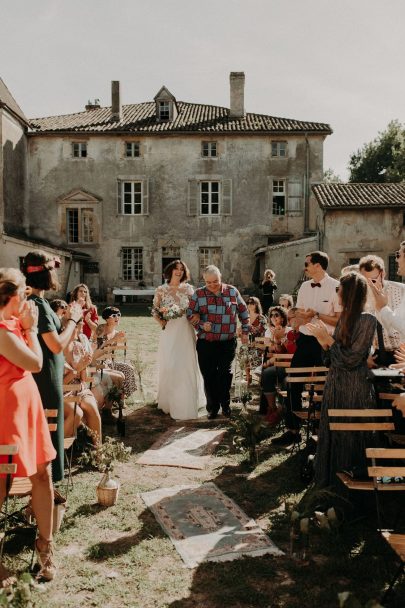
x: 306, y: 186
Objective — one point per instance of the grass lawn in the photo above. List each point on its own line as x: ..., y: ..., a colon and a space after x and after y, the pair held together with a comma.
x: 120, y: 556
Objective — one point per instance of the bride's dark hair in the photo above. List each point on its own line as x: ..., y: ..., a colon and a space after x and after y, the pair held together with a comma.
x: 168, y: 271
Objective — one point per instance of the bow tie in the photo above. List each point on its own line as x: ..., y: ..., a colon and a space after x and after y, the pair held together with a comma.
x: 315, y: 285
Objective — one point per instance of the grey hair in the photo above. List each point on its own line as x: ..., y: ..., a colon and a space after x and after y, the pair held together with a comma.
x: 211, y: 269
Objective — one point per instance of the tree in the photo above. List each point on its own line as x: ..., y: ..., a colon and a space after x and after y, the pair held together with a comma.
x: 330, y: 177
x: 381, y: 160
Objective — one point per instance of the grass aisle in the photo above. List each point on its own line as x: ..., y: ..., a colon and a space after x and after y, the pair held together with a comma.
x: 120, y: 557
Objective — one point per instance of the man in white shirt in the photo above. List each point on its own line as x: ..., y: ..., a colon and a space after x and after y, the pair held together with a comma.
x: 317, y: 300
x: 372, y: 267
x: 391, y: 318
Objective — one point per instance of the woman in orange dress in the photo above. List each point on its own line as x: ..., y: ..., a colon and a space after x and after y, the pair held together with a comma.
x: 23, y: 421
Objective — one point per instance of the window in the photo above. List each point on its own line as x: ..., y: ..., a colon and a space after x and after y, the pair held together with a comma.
x: 164, y: 110
x: 80, y: 225
x: 132, y: 263
x: 209, y: 198
x: 79, y: 149
x: 392, y: 268
x: 209, y: 149
x: 353, y: 261
x: 132, y: 149
x: 278, y: 197
x: 279, y: 148
x: 132, y: 198
x: 209, y: 255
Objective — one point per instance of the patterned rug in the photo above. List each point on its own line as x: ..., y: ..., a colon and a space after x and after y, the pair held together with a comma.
x: 185, y: 447
x: 207, y: 526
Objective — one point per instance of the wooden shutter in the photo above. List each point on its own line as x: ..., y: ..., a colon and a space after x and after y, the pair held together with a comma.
x: 145, y: 197
x: 193, y: 197
x: 226, y: 208
x: 119, y: 197
x: 270, y: 193
x: 294, y: 188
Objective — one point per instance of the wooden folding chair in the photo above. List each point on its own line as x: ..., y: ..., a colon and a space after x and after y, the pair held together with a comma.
x: 377, y: 472
x: 112, y: 353
x: 7, y: 469
x: 71, y: 398
x: 388, y: 398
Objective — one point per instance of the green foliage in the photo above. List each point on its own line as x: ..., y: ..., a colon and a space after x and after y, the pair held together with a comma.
x: 381, y: 160
x: 330, y: 177
x: 104, y: 456
x: 249, y: 430
x: 20, y: 594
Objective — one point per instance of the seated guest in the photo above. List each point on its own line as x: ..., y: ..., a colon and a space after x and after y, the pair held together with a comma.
x: 286, y: 301
x: 22, y: 417
x: 81, y: 294
x: 107, y: 335
x: 386, y: 341
x: 347, y: 385
x: 59, y: 307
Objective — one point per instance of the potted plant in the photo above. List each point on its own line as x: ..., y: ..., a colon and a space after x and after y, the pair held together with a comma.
x: 104, y: 456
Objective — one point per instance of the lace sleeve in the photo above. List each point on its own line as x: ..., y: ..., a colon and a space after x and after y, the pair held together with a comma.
x: 157, y: 298
x: 352, y: 356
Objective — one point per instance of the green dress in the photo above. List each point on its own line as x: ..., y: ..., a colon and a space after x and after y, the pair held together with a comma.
x: 50, y: 380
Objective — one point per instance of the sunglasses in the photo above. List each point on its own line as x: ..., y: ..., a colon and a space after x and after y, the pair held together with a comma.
x: 398, y: 254
x: 115, y: 315
x: 337, y: 288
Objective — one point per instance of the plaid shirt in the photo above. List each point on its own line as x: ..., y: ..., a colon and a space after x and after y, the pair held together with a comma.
x: 220, y: 309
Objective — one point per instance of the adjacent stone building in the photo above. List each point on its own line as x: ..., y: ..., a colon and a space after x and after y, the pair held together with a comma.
x: 134, y: 186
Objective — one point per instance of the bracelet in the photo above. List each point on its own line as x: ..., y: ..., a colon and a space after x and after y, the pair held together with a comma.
x: 73, y: 321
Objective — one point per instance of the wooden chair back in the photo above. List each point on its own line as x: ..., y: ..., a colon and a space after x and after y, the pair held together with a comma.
x: 307, y: 375
x: 282, y: 359
x: 357, y: 420
x: 387, y: 470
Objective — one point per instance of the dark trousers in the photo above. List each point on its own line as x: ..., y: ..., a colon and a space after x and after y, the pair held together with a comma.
x: 215, y: 361
x: 308, y: 353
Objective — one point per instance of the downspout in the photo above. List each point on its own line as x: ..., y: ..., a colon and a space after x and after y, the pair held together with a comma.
x: 65, y: 286
x: 306, y: 187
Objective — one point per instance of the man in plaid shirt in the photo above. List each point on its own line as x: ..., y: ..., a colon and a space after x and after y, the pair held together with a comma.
x: 213, y: 310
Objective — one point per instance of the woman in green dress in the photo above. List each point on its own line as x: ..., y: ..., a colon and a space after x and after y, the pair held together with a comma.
x: 40, y: 271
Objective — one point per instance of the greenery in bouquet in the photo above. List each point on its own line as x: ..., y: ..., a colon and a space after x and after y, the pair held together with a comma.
x: 249, y: 430
x: 104, y: 456
x: 168, y: 313
x: 20, y: 594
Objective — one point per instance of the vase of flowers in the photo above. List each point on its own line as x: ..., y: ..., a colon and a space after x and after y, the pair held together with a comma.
x: 104, y: 457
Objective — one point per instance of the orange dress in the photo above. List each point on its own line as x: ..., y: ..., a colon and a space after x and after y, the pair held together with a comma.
x: 22, y: 418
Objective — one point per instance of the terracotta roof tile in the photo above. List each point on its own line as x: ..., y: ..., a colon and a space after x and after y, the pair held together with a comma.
x: 359, y: 196
x: 192, y: 117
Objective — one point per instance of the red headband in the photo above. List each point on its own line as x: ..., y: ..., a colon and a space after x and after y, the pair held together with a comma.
x: 55, y: 263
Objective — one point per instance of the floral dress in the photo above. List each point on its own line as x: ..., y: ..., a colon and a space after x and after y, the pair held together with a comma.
x: 129, y: 385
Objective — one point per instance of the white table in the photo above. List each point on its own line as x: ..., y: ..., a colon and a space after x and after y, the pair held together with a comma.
x: 133, y: 292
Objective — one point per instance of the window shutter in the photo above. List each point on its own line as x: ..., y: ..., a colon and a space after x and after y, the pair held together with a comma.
x: 226, y: 197
x: 270, y: 193
x: 145, y: 197
x: 193, y: 197
x: 119, y: 197
x: 294, y: 195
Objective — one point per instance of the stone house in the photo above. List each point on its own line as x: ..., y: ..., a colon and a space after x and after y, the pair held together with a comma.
x: 358, y: 219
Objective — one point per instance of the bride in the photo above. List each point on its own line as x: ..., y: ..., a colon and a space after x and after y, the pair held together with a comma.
x: 180, y: 387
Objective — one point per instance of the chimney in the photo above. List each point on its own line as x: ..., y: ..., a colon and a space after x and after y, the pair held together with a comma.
x: 116, y: 111
x: 237, y: 82
x: 93, y: 105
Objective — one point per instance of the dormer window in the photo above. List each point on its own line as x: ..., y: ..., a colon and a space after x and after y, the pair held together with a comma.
x: 164, y: 110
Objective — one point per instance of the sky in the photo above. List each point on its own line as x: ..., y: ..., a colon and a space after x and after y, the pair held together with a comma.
x: 334, y: 61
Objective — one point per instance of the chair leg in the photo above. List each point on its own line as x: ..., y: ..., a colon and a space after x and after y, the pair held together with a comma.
x: 394, y: 580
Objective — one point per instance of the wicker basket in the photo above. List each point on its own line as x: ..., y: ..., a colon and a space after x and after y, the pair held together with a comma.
x: 107, y: 491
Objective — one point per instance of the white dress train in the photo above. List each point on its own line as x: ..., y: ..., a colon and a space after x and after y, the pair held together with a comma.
x: 180, y: 385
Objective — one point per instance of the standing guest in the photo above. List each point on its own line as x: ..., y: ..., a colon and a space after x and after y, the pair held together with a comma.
x: 40, y: 271
x: 286, y: 301
x: 317, y: 299
x: 386, y: 341
x: 257, y: 319
x: 268, y: 287
x: 81, y: 294
x: 218, y: 305
x: 392, y: 317
x: 22, y: 417
x: 180, y: 385
x: 347, y: 385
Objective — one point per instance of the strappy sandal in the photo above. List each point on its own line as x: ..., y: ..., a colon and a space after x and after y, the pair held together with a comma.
x: 44, y: 557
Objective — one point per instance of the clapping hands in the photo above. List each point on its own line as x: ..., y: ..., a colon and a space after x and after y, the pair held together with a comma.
x: 29, y: 315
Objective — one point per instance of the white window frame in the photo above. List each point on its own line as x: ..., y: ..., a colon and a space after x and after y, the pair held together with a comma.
x: 209, y: 149
x: 132, y: 263
x: 135, y: 194
x: 79, y: 149
x: 210, y: 196
x: 134, y: 149
x: 81, y: 230
x: 164, y: 110
x: 279, y: 149
x: 279, y: 193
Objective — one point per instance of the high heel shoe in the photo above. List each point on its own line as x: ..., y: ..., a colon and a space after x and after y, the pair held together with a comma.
x: 45, y: 560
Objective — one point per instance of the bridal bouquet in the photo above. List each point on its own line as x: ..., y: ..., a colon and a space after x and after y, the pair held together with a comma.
x: 166, y: 313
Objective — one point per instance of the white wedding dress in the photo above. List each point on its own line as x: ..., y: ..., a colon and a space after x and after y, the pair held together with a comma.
x: 180, y: 386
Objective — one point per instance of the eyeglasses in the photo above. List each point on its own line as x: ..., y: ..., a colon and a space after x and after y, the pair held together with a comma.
x: 398, y: 254
x: 337, y: 288
x: 115, y: 315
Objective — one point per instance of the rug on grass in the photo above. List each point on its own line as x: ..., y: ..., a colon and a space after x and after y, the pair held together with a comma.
x: 185, y: 447
x: 207, y: 526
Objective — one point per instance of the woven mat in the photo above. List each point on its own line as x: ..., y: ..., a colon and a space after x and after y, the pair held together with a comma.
x: 207, y: 526
x: 185, y: 447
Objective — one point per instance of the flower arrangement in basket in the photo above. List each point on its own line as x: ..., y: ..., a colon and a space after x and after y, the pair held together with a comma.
x: 166, y: 313
x: 104, y: 456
